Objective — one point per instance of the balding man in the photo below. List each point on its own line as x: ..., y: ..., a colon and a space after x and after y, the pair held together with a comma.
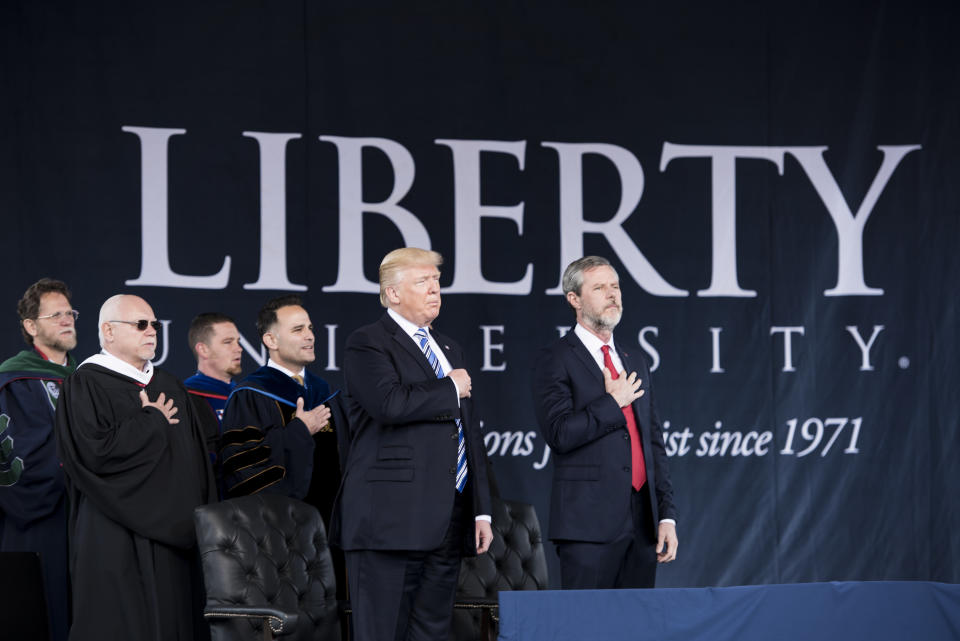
x: 136, y: 467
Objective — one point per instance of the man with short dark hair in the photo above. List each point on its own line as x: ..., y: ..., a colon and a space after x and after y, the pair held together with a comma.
x: 279, y: 424
x: 611, y: 512
x: 215, y: 342
x: 33, y: 511
x: 136, y: 467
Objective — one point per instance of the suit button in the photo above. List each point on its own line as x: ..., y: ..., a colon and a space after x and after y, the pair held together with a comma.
x: 626, y: 469
x: 626, y: 437
x: 453, y: 436
x: 453, y: 470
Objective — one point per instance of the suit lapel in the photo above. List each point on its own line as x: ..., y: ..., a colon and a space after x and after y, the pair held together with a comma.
x: 454, y: 358
x: 574, y: 342
x: 444, y: 343
x: 406, y: 343
x: 626, y: 360
x: 628, y: 367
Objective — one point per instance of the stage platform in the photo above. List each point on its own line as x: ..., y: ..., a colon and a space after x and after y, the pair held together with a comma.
x: 869, y: 611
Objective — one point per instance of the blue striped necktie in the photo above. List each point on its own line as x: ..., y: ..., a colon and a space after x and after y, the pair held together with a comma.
x: 421, y: 337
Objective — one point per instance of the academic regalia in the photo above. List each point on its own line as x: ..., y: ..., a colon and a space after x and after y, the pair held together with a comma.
x: 209, y: 396
x: 265, y: 448
x: 133, y: 481
x: 33, y: 506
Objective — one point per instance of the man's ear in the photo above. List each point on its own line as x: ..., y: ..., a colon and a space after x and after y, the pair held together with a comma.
x: 202, y: 349
x: 30, y: 326
x: 392, y: 295
x: 107, y: 331
x: 269, y: 340
x: 574, y: 300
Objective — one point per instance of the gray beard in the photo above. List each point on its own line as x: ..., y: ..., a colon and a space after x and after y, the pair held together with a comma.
x: 64, y: 344
x: 602, y: 324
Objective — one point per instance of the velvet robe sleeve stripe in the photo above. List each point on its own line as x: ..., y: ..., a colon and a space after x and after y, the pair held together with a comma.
x: 247, y: 458
x: 253, y: 420
x: 243, y: 435
x: 257, y: 482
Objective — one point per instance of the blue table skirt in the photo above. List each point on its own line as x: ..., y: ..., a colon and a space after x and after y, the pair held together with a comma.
x: 871, y: 611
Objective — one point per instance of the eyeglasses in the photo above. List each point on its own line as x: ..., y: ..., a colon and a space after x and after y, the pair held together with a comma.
x: 56, y: 316
x: 141, y: 324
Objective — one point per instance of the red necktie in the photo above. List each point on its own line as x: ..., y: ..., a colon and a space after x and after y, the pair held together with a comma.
x: 638, y: 469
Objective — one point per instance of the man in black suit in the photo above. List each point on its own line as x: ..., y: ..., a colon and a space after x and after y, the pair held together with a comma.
x: 414, y: 496
x: 611, y: 512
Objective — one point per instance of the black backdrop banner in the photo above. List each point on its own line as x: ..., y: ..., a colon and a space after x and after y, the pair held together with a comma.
x: 778, y: 189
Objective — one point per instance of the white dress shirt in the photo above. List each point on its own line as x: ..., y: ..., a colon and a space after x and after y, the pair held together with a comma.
x: 302, y: 373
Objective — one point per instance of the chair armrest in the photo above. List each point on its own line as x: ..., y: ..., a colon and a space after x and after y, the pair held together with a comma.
x: 489, y: 614
x: 476, y: 602
x: 490, y: 606
x: 280, y: 622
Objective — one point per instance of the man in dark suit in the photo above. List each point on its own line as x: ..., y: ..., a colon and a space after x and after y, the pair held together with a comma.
x: 611, y: 512
x: 414, y: 496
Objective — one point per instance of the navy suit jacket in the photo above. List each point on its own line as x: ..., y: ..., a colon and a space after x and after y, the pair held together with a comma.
x: 398, y: 486
x: 587, y: 432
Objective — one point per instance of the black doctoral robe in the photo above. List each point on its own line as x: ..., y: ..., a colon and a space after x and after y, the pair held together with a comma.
x: 265, y: 447
x: 133, y: 480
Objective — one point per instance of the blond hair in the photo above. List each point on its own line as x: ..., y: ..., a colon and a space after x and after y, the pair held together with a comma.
x: 399, y: 259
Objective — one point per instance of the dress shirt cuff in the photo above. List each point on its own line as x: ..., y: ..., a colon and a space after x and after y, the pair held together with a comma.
x: 483, y: 517
x: 669, y: 521
x: 455, y: 388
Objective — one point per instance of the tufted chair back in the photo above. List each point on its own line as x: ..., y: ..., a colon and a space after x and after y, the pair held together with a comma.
x: 515, y: 561
x: 267, y: 570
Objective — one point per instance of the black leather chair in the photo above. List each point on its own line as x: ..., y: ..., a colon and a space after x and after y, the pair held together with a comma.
x: 515, y: 561
x: 267, y: 570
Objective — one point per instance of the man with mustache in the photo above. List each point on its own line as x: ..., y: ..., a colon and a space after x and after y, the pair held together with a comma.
x: 33, y: 507
x: 215, y: 342
x: 612, y: 515
x: 136, y: 467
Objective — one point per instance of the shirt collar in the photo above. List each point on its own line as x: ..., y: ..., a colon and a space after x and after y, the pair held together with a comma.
x: 302, y: 373
x: 590, y: 340
x: 108, y: 361
x: 407, y: 326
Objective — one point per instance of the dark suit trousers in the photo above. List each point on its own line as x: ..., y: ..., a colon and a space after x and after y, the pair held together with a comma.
x: 407, y: 596
x: 629, y: 561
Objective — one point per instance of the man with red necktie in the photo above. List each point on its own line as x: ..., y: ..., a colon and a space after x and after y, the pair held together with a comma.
x: 612, y: 515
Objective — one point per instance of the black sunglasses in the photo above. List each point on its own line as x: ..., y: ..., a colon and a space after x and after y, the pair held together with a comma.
x: 141, y: 324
